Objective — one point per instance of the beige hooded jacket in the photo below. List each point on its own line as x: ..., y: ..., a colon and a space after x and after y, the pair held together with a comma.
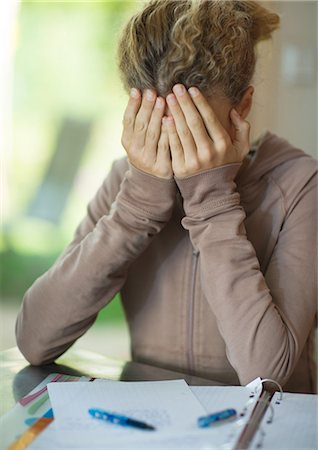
x: 217, y: 278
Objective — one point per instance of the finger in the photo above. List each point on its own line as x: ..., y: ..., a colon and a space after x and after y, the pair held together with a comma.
x: 130, y: 113
x: 176, y: 149
x: 163, y: 153
x: 154, y: 130
x: 163, y: 160
x: 143, y: 117
x: 192, y: 117
x: 242, y: 133
x: 181, y: 128
x: 211, y: 122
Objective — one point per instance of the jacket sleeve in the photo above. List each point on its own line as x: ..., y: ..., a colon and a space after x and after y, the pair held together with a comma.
x: 63, y: 303
x: 263, y: 319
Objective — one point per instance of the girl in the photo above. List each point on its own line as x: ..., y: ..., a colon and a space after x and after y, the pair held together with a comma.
x: 210, y: 240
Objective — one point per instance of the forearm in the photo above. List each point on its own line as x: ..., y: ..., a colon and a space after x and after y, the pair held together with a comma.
x: 64, y: 302
x: 261, y: 318
x: 258, y: 341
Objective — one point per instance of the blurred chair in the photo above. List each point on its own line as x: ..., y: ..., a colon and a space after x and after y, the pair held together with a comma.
x: 52, y: 194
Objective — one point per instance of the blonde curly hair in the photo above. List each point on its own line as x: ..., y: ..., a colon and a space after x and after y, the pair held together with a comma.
x: 205, y: 43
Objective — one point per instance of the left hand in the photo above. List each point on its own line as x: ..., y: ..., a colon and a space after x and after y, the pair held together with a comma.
x: 197, y: 139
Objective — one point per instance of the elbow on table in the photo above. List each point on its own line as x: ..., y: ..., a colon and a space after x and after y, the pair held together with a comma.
x: 36, y: 359
x: 34, y: 356
x: 31, y: 349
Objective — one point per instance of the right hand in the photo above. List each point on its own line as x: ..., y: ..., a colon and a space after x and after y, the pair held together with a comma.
x: 145, y: 137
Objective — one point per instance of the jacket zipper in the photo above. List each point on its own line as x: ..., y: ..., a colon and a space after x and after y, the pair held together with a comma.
x: 190, y: 357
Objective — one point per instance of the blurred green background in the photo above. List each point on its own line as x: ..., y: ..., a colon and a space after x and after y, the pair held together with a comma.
x: 67, y: 112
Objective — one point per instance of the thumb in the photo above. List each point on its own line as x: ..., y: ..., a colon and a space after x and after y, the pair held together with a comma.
x: 242, y: 133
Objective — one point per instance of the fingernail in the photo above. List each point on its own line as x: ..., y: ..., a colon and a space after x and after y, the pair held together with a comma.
x: 193, y: 91
x: 236, y: 114
x: 171, y: 99
x: 134, y: 93
x: 159, y: 103
x: 150, y: 95
x: 179, y: 89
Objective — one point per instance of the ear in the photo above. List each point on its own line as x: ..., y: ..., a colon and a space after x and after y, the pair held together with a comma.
x: 244, y: 107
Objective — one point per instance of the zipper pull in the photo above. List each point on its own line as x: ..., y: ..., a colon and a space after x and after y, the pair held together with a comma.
x: 195, y: 252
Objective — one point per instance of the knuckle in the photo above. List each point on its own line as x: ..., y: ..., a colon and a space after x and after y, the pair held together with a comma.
x: 210, y: 117
x: 151, y: 135
x: 162, y: 146
x: 193, y: 164
x: 194, y: 122
x: 205, y: 150
x: 140, y: 126
x: 127, y: 121
x: 223, y: 144
x: 125, y: 141
x: 207, y: 158
x: 185, y: 132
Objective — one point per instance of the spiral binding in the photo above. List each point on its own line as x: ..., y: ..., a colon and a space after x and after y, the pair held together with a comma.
x: 237, y: 424
x: 261, y: 433
x: 269, y: 380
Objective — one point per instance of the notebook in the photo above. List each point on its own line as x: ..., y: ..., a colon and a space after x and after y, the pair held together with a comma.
x: 171, y: 406
x: 290, y: 421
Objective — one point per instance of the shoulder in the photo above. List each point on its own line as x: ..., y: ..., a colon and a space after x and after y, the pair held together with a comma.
x: 295, y: 172
x: 285, y: 159
x: 279, y: 162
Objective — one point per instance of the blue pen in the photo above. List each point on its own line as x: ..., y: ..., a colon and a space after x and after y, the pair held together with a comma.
x: 206, y: 421
x: 119, y: 419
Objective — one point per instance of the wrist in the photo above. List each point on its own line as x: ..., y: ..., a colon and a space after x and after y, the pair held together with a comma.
x: 141, y: 173
x: 164, y: 171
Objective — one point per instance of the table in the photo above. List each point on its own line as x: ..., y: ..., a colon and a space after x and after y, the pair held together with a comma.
x: 17, y: 377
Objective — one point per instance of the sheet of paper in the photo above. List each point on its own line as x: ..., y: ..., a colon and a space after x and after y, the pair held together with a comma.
x: 167, y: 405
x: 164, y: 404
x: 170, y: 405
x: 294, y: 423
x: 216, y: 398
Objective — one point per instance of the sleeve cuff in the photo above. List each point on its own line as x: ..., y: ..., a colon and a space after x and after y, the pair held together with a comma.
x: 210, y: 190
x: 148, y: 195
